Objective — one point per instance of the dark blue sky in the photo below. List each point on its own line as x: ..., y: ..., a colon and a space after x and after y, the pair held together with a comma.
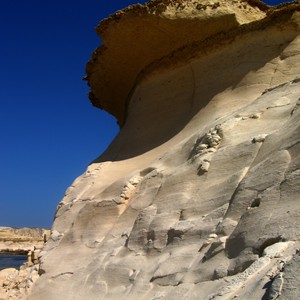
x: 49, y: 130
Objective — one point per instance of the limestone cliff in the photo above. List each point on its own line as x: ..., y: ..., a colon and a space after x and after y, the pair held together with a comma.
x: 198, y: 195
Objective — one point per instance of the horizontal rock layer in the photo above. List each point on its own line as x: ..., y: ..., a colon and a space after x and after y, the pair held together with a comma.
x: 137, y: 36
x: 197, y: 197
x: 20, y: 240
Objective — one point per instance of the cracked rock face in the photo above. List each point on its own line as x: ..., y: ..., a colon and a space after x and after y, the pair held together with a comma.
x: 198, y: 195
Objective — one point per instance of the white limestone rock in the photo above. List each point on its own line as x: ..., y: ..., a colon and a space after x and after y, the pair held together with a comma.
x: 141, y: 222
x: 276, y: 250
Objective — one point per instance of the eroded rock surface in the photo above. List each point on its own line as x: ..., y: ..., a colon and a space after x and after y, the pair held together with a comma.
x: 145, y: 33
x: 198, y: 195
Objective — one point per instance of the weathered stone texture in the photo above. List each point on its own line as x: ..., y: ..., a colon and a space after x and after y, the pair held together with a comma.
x: 198, y: 195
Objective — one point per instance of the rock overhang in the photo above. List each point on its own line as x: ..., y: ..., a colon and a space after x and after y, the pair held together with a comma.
x: 139, y: 35
x: 175, y: 212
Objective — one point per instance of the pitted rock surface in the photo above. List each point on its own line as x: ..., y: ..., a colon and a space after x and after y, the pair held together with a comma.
x: 198, y: 195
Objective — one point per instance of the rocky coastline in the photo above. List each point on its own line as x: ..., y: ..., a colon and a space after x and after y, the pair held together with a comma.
x: 14, y: 283
x: 22, y: 240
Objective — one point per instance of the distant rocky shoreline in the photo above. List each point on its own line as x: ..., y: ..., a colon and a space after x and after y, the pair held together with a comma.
x: 15, y: 284
x: 22, y: 240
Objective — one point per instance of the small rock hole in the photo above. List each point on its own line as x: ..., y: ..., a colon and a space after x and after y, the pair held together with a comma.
x: 268, y: 242
x: 151, y: 235
x: 172, y: 234
x: 181, y: 217
x: 255, y: 203
x: 146, y: 171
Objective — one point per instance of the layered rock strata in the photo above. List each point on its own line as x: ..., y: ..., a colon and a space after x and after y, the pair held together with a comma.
x: 155, y: 29
x: 198, y: 195
x: 22, y: 240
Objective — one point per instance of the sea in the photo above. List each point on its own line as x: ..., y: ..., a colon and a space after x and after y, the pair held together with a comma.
x: 11, y: 260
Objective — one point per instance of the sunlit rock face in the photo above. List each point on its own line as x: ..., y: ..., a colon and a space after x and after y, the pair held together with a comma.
x: 198, y: 195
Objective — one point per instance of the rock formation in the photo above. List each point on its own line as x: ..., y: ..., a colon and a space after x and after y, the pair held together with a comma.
x: 16, y: 284
x: 22, y: 240
x: 198, y: 195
